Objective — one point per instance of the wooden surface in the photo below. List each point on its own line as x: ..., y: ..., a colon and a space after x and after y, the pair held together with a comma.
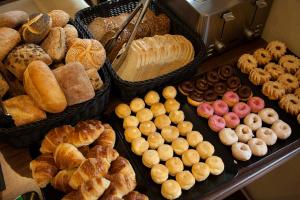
x: 19, y: 158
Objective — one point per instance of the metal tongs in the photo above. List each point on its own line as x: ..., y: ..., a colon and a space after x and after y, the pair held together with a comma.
x: 120, y: 58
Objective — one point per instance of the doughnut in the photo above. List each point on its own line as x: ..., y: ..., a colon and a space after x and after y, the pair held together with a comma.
x: 150, y: 158
x: 137, y: 104
x: 241, y: 109
x: 176, y: 116
x: 262, y: 56
x: 246, y: 63
x: 273, y: 90
x: 231, y: 98
x: 258, y: 147
x: 215, y: 164
x: 241, y: 151
x: 233, y: 83
x: 205, y: 110
x: 171, y: 105
x: 185, y: 179
x: 144, y: 115
x: 253, y: 121
x: 174, y: 165
x: 205, y: 149
x: 220, y: 107
x: 200, y: 171
x: 155, y: 140
x: 165, y: 152
x: 210, y: 95
x: 244, y: 133
x: 267, y: 135
x: 290, y: 103
x: 281, y: 129
x: 244, y: 92
x: 289, y: 82
x: 186, y: 87
x: 169, y: 92
x: 231, y: 120
x: 228, y: 136
x: 195, y: 98
x: 184, y: 127
x: 268, y: 115
x: 170, y: 189
x: 180, y: 145
x: 190, y: 157
x: 147, y: 127
x: 216, y: 123
x: 158, y: 109
x: 225, y: 72
x: 212, y: 77
x: 170, y: 133
x: 276, y: 49
x: 201, y: 84
x: 130, y: 121
x: 290, y: 63
x: 259, y: 76
x: 122, y: 110
x: 256, y: 104
x: 194, y: 138
x: 132, y: 133
x: 220, y: 88
x: 159, y: 173
x: 274, y: 70
x: 162, y: 121
x: 151, y: 98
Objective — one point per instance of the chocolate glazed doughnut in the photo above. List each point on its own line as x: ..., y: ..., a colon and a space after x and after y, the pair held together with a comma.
x: 201, y: 84
x: 244, y: 92
x: 225, y: 72
x: 220, y: 88
x: 210, y: 95
x: 233, y: 83
x: 186, y: 87
x: 195, y: 98
x: 212, y: 77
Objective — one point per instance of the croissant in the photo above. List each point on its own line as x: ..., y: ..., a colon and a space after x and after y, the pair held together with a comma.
x: 43, y: 169
x: 55, y: 137
x: 86, y: 132
x: 71, y: 196
x: 61, y: 180
x: 134, y: 195
x: 122, y: 166
x: 93, y: 188
x: 99, y: 151
x: 84, y: 150
x: 67, y: 156
x: 88, y: 169
x: 107, y: 138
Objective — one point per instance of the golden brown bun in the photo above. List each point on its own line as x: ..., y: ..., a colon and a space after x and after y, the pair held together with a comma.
x: 59, y: 18
x: 107, y: 138
x: 106, y: 152
x: 9, y: 38
x: 170, y: 189
x: 174, y: 165
x: 165, y: 152
x: 41, y: 84
x: 200, y: 171
x: 137, y: 104
x: 4, y: 87
x: 71, y: 31
x: 139, y: 146
x: 205, y: 149
x: 185, y: 179
x: 132, y: 133
x: 190, y: 157
x: 93, y: 188
x: 122, y: 110
x: 61, y: 180
x: 23, y: 110
x: 159, y: 173
x: 13, y: 19
x: 150, y: 158
x: 215, y: 164
x: 155, y: 140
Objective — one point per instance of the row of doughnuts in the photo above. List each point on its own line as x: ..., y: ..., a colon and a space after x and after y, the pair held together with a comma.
x: 175, y: 149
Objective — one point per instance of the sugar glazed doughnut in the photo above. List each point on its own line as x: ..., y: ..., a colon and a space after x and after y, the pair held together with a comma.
x: 276, y: 48
x: 231, y: 120
x: 231, y: 98
x: 274, y: 70
x: 220, y: 107
x: 290, y: 103
x: 290, y: 63
x: 268, y: 115
x: 267, y: 135
x: 241, y: 151
x: 256, y: 104
x: 241, y: 109
x: 228, y: 136
x: 259, y: 76
x: 262, y: 56
x: 289, y: 82
x: 273, y: 90
x: 282, y: 129
x: 205, y: 110
x: 258, y: 147
x: 253, y: 121
x: 244, y: 133
x: 216, y: 123
x: 246, y: 63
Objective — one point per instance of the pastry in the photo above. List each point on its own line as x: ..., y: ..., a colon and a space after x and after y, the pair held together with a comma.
x: 185, y: 179
x: 107, y: 138
x: 186, y: 87
x: 59, y: 18
x: 150, y: 158
x: 241, y: 109
x: 99, y: 151
x: 220, y: 107
x: 74, y: 82
x: 42, y: 86
x: 258, y: 147
x: 276, y: 48
x: 232, y: 120
x: 23, y: 110
x: 244, y: 133
x: 274, y: 70
x: 144, y: 115
x: 180, y: 145
x: 233, y: 83
x: 267, y: 135
x: 289, y: 82
x: 139, y: 146
x: 259, y: 76
x: 205, y: 149
x: 169, y: 92
x: 71, y: 33
x: 176, y: 116
x: 122, y: 110
x: 174, y: 165
x: 281, y: 129
x: 290, y: 103
x: 225, y: 72
x: 244, y: 92
x: 190, y: 157
x: 158, y: 109
x: 170, y: 133
x: 205, y: 110
x: 247, y: 63
x: 132, y: 133
x: 297, y: 74
x: 297, y: 92
x: 210, y: 95
x: 200, y: 171
x: 256, y: 104
x: 55, y: 44
x: 165, y: 152
x: 220, y: 88
x: 162, y: 121
x: 93, y: 189
x: 90, y: 53
x: 171, y: 105
x: 184, y: 127
x: 37, y: 28
x: 4, y: 87
x: 13, y: 19
x: 61, y: 180
x: 262, y: 56
x: 268, y: 115
x: 195, y: 98
x: 130, y: 121
x: 253, y: 121
x: 241, y: 151
x: 137, y: 104
x: 228, y: 136
x: 216, y: 123
x: 170, y: 189
x: 273, y: 90
x: 215, y: 165
x: 151, y: 98
x: 155, y: 140
x: 9, y: 38
x: 159, y: 173
x: 20, y: 57
x: 212, y: 77
x: 201, y: 84
x: 231, y: 98
x: 135, y: 195
x: 194, y: 138
x: 147, y: 127
x: 290, y: 63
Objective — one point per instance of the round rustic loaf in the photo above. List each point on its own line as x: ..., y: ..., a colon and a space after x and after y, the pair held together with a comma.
x: 59, y: 18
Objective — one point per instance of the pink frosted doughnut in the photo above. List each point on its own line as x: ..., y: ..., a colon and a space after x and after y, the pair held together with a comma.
x: 231, y: 98
x: 256, y: 104
x: 216, y: 123
x: 220, y: 107
x: 231, y: 119
x: 205, y: 110
x: 241, y: 109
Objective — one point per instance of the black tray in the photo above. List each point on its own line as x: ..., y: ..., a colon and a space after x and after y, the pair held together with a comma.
x: 125, y: 89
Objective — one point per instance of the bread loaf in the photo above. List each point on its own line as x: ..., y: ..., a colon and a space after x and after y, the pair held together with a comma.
x: 13, y: 19
x: 71, y: 33
x: 59, y: 18
x: 95, y: 79
x: 55, y: 44
x: 4, y: 87
x: 9, y: 38
x: 23, y: 110
x: 75, y: 83
x: 41, y: 84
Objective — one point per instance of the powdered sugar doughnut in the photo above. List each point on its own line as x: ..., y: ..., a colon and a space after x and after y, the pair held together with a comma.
x: 228, y: 136
x: 241, y: 151
x: 268, y: 115
x: 267, y: 135
x: 282, y: 129
x: 253, y: 121
x: 244, y: 133
x: 258, y: 147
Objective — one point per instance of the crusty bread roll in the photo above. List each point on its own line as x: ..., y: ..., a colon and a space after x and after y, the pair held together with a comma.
x: 94, y: 78
x: 9, y: 38
x: 71, y: 33
x: 13, y: 19
x: 41, y: 84
x: 59, y: 18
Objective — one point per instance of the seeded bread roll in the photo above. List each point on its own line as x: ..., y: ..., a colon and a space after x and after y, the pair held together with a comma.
x: 9, y: 38
x: 13, y: 19
x: 59, y: 18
